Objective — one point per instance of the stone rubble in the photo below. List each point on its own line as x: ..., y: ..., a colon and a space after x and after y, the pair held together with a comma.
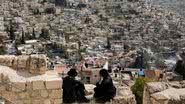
x: 164, y: 93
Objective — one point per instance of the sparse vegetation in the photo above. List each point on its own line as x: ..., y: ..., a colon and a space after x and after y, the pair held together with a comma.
x: 2, y: 50
x: 138, y: 88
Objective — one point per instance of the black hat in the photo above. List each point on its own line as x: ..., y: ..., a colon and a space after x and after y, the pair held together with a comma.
x: 72, y: 72
x: 104, y: 73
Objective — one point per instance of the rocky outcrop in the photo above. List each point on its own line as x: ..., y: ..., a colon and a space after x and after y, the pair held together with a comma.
x: 164, y: 93
x: 124, y: 96
x: 34, y: 64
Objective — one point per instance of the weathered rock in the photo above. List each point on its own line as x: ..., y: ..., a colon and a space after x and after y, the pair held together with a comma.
x: 154, y: 87
x: 53, y: 84
x: 44, y: 93
x: 38, y: 85
x: 22, y: 62
x: 173, y: 94
x: 55, y: 94
x: 35, y: 64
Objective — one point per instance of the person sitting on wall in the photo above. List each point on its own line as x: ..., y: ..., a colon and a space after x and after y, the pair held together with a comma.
x: 105, y: 89
x: 73, y: 90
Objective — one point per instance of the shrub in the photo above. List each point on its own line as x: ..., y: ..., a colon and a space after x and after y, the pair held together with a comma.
x: 2, y: 50
x: 138, y: 88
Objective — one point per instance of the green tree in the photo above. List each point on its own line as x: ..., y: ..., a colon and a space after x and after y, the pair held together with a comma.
x: 44, y: 33
x: 138, y: 88
x: 65, y: 53
x: 33, y: 34
x: 11, y: 32
x: 36, y: 11
x: 23, y: 38
x: 2, y: 50
x: 108, y: 43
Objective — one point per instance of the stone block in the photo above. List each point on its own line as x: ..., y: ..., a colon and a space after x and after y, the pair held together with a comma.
x: 44, y: 93
x: 57, y: 101
x: 35, y: 94
x: 154, y: 87
x: 23, y: 62
x: 33, y: 65
x: 29, y: 85
x: 38, y: 85
x: 38, y: 64
x: 55, y: 94
x: 7, y: 60
x: 13, y: 96
x: 47, y: 101
x: 6, y: 95
x: 18, y: 86
x: 4, y: 78
x: 27, y: 101
x: 23, y: 95
x: 54, y: 84
x: 38, y: 101
x: 10, y: 96
x: 19, y: 102
x: 2, y: 88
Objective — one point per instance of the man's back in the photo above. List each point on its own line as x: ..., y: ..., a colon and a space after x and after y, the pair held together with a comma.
x: 69, y: 95
x: 73, y: 91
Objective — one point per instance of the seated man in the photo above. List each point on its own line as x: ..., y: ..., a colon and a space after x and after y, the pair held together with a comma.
x: 104, y: 90
x: 73, y: 90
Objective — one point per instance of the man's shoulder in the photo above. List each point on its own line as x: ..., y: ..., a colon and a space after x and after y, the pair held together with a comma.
x: 108, y: 79
x: 67, y: 78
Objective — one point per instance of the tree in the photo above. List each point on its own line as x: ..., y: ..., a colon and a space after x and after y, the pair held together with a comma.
x: 2, y: 50
x: 79, y: 44
x: 36, y: 11
x: 33, y: 34
x: 108, y: 43
x: 23, y: 37
x: 11, y: 32
x: 44, y: 33
x: 138, y: 88
x: 65, y: 53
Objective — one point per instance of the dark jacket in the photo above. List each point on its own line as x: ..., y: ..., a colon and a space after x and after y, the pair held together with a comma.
x: 73, y: 90
x: 105, y: 91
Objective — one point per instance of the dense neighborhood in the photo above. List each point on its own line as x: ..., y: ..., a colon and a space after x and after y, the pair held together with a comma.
x: 139, y: 42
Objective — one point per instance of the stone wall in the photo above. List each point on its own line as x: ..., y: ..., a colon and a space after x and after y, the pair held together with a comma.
x: 31, y: 92
x: 34, y: 64
x: 164, y: 93
x: 17, y: 87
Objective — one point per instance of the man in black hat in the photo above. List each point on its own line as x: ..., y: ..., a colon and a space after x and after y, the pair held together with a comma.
x: 73, y: 90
